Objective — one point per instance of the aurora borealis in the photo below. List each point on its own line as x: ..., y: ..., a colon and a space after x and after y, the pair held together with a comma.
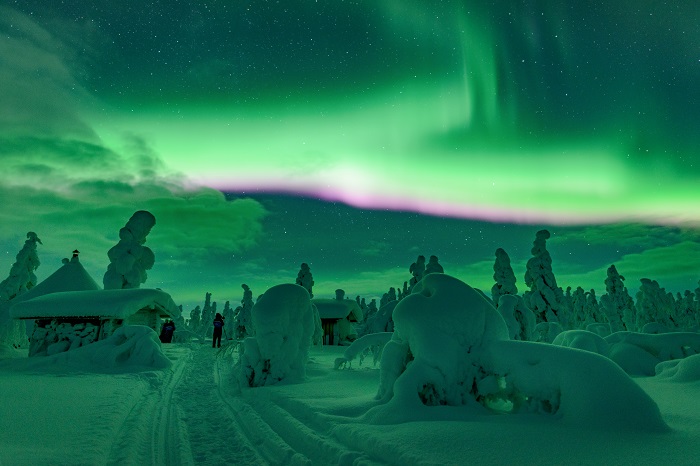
x: 449, y: 128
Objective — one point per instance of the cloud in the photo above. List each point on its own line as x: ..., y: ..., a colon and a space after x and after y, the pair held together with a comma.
x: 639, y: 235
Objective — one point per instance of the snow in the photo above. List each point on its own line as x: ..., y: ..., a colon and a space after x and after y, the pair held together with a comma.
x: 118, y: 304
x: 192, y: 413
x: 338, y: 309
x: 283, y: 319
x: 453, y: 389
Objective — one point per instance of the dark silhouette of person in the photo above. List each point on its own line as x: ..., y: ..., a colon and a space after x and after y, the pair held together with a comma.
x: 218, y: 330
x: 166, y: 332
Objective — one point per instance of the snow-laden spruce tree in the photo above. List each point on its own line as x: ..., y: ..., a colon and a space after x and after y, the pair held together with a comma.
x: 284, y: 326
x: 653, y: 305
x: 243, y: 324
x: 306, y: 279
x: 195, y: 319
x: 545, y: 297
x: 592, y: 310
x: 578, y: 308
x: 417, y: 269
x: 519, y: 319
x: 21, y: 278
x: 686, y: 315
x: 433, y: 266
x: 387, y: 297
x: 616, y: 303
x: 504, y: 277
x: 130, y: 259
x: 228, y: 315
x: 339, y: 294
x: 206, y: 328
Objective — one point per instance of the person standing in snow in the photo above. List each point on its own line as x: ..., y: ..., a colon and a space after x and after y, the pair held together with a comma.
x: 166, y: 334
x: 218, y: 330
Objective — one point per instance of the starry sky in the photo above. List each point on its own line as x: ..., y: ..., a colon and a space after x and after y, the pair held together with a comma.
x: 353, y: 135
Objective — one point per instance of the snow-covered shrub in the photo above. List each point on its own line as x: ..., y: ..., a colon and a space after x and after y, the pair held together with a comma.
x: 504, y: 277
x: 369, y: 344
x: 519, y: 319
x: 283, y: 319
x: 130, y: 259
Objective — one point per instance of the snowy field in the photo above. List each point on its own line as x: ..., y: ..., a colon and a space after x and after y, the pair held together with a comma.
x: 194, y: 413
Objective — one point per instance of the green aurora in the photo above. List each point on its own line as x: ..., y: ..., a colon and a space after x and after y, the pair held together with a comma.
x: 448, y: 128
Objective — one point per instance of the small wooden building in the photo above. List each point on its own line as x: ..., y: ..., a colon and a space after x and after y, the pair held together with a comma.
x: 337, y: 318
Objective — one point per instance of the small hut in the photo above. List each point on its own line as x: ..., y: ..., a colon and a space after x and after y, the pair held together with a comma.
x: 71, y: 319
x: 337, y: 318
x: 70, y: 310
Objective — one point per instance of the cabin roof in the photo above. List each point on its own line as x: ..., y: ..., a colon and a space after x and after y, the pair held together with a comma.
x: 72, y: 276
x: 338, y: 309
x: 116, y: 304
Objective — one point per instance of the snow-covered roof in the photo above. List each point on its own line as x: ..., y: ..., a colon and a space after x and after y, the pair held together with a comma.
x: 338, y: 309
x: 72, y: 276
x: 117, y: 304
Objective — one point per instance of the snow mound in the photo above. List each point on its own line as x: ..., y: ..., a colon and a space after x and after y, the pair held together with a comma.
x: 130, y: 347
x: 680, y: 370
x: 639, y: 353
x: 450, y: 347
x: 283, y: 320
x: 577, y: 387
x: 583, y: 340
x: 519, y: 319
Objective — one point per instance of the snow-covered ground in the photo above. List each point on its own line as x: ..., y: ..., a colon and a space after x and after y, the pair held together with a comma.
x: 194, y: 413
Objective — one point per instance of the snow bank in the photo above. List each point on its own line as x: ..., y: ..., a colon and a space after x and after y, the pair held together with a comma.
x: 519, y: 319
x: 583, y: 340
x: 639, y: 353
x: 129, y: 347
x: 283, y: 320
x: 575, y: 386
x: 680, y: 370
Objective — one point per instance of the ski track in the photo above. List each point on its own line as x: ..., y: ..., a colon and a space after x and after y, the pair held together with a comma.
x: 194, y: 413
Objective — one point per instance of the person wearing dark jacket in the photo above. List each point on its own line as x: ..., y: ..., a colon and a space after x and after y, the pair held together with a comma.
x: 218, y: 330
x: 166, y: 333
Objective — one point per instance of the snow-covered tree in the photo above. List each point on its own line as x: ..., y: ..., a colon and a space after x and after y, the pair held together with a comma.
x: 339, y: 294
x: 130, y: 259
x: 504, y: 277
x: 433, y: 266
x: 417, y: 269
x: 686, y: 316
x: 388, y: 297
x: 578, y: 308
x: 592, y: 311
x: 228, y: 315
x: 243, y: 324
x: 206, y: 329
x: 653, y: 305
x: 616, y: 302
x: 195, y: 319
x: 21, y: 278
x: 545, y: 297
x: 519, y: 319
x: 284, y: 326
x: 306, y: 279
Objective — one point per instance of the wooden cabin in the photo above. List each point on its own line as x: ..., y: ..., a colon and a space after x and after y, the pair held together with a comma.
x: 337, y: 318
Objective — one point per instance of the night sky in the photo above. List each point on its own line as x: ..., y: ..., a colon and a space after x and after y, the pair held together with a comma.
x: 353, y: 136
